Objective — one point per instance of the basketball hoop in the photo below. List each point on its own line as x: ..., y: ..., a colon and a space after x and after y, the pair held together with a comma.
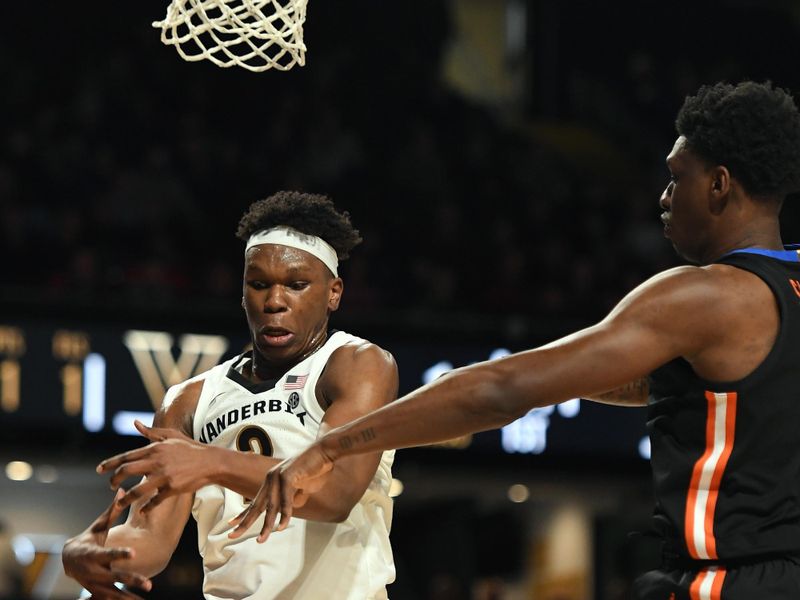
x: 254, y: 34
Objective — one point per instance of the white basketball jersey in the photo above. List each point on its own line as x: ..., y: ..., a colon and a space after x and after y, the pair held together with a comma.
x: 309, y: 560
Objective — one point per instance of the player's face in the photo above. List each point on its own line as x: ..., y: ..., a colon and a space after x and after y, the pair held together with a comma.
x: 686, y: 215
x: 288, y: 295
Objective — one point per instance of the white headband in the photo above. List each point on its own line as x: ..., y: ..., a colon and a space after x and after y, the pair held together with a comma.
x: 286, y: 236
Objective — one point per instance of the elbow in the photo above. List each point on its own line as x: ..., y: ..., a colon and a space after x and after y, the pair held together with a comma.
x: 506, y: 403
x: 326, y: 513
x: 160, y: 566
x: 154, y: 566
x: 332, y: 515
x: 340, y: 514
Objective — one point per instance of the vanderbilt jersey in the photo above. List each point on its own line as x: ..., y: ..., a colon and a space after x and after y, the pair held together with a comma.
x: 309, y: 560
x: 726, y: 456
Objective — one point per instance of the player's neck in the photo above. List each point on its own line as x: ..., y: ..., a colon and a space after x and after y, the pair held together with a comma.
x: 762, y: 232
x: 259, y: 369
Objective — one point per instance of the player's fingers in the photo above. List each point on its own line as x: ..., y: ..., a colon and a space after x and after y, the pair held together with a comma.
x: 141, y: 490
x: 269, y: 522
x: 161, y: 494
x: 284, y: 497
x: 272, y: 485
x: 102, y: 586
x: 250, y: 515
x: 129, y: 469
x: 104, y: 521
x: 111, y: 592
x: 247, y: 517
x: 238, y: 518
x: 113, y: 463
x: 132, y: 579
x: 160, y: 434
x: 109, y: 555
x: 153, y: 434
x: 93, y: 568
x: 241, y: 523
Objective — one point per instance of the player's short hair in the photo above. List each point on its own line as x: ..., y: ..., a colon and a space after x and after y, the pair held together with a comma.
x: 313, y: 214
x: 751, y: 128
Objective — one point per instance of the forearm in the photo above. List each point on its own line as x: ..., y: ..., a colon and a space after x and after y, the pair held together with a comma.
x: 244, y: 472
x: 153, y: 535
x: 241, y: 472
x: 466, y: 400
x: 150, y: 554
x: 490, y: 394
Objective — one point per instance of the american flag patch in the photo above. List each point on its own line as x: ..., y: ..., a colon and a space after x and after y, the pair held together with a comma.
x: 295, y: 382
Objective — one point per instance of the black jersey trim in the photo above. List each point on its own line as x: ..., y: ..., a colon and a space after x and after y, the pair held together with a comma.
x: 264, y: 386
x: 251, y: 386
x: 791, y: 253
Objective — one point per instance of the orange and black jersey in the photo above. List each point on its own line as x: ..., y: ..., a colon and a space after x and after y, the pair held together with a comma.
x: 726, y: 456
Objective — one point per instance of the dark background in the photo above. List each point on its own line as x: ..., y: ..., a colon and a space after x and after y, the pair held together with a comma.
x: 124, y: 171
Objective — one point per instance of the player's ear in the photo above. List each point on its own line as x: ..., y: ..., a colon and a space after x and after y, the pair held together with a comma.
x: 335, y: 293
x: 242, y: 301
x: 720, y: 189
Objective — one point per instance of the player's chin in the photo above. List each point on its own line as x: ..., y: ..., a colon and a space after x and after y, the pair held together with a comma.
x: 277, y: 354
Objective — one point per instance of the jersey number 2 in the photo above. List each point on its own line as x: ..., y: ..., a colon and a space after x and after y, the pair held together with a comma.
x: 254, y: 439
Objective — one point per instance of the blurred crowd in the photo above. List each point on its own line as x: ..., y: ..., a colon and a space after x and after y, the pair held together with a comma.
x: 124, y: 170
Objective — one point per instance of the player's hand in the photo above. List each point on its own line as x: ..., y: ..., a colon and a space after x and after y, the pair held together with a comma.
x: 90, y: 563
x: 172, y: 464
x: 287, y: 486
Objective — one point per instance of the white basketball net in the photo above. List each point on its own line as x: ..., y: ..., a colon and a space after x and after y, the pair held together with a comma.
x: 254, y: 34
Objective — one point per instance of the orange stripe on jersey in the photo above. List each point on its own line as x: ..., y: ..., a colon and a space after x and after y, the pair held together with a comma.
x: 701, y: 500
x: 707, y: 584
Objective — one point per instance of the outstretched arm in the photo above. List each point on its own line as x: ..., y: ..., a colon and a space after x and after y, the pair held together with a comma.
x: 667, y: 317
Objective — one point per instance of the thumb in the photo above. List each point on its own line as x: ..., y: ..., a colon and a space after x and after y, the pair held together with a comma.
x: 154, y: 434
x: 107, y: 518
x: 144, y: 430
x: 116, y: 509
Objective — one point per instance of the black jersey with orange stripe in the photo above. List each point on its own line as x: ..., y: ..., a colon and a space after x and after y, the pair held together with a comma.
x: 726, y: 456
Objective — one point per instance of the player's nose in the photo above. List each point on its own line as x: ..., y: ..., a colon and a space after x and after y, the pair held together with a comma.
x: 275, y: 300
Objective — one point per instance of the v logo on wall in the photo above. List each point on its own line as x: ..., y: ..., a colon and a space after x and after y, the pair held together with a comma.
x: 159, y: 369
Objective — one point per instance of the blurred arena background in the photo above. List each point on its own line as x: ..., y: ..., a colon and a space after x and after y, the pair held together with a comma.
x: 503, y: 160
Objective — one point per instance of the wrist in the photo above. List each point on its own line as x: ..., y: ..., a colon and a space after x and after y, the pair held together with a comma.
x: 213, y: 461
x: 331, y: 445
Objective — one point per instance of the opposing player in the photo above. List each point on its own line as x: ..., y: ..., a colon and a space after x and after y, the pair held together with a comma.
x: 216, y: 436
x: 716, y: 347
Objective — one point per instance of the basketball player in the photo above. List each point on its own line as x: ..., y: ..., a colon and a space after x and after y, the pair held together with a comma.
x: 217, y: 434
x: 715, y: 347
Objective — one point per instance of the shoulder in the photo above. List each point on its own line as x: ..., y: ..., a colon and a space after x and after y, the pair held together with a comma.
x: 688, y: 288
x: 693, y: 307
x: 179, y: 405
x: 358, y: 365
x: 360, y: 354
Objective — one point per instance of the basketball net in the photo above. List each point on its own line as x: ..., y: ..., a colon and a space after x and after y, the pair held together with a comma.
x: 254, y: 34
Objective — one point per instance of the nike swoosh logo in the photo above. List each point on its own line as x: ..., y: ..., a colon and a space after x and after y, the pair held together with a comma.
x: 214, y: 399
